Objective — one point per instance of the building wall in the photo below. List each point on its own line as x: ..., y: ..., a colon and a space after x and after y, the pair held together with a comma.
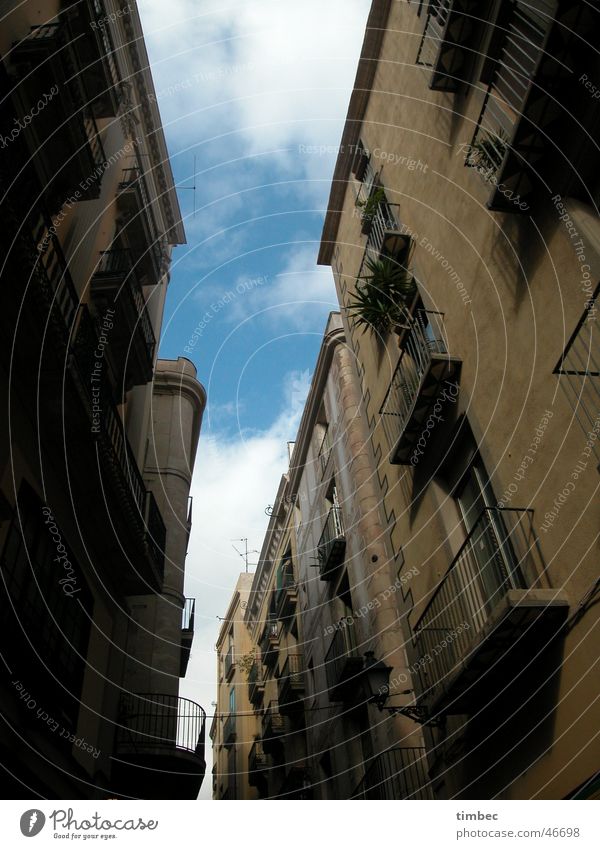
x: 102, y: 478
x: 509, y: 286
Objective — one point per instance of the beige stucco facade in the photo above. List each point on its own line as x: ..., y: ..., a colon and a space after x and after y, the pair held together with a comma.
x: 513, y: 286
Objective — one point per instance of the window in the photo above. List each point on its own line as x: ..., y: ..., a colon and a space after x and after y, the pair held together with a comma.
x: 232, y: 701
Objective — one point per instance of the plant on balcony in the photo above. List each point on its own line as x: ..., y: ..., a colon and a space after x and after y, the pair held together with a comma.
x: 381, y: 300
x: 487, y: 153
x: 246, y: 661
x: 369, y: 209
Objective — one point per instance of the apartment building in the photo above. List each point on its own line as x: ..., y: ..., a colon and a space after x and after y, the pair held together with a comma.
x: 463, y: 233
x: 322, y: 607
x: 233, y: 725
x: 98, y: 437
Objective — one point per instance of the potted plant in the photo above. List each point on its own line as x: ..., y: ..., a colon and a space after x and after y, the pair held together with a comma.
x: 382, y: 297
x: 369, y: 209
x: 489, y: 152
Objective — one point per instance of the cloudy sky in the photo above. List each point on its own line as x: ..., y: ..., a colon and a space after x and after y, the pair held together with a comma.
x: 243, y: 89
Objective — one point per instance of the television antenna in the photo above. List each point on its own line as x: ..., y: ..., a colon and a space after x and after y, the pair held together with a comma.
x: 244, y: 554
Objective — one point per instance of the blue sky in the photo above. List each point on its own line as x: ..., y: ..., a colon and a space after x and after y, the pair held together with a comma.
x: 245, y: 88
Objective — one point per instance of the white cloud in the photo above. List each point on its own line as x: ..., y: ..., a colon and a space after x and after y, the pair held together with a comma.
x: 234, y: 481
x: 276, y: 73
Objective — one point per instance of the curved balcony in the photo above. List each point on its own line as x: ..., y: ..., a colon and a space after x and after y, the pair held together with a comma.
x: 159, y: 747
x: 290, y: 684
x: 343, y: 663
x: 444, y: 47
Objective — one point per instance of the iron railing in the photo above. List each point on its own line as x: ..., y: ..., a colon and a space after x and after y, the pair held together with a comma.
x: 188, y: 614
x: 229, y: 663
x: 507, y: 95
x: 229, y: 731
x: 258, y: 759
x: 382, y: 222
x: 273, y: 723
x: 293, y: 669
x: 255, y: 682
x: 433, y: 33
x: 342, y: 658
x: 325, y: 450
x: 398, y: 773
x: 160, y: 721
x: 134, y: 179
x: 118, y: 263
x: 332, y: 541
x: 579, y: 371
x: 500, y: 553
x: 424, y: 337
x: 139, y: 504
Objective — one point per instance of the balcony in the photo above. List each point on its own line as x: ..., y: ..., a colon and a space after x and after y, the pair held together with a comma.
x: 269, y: 643
x: 275, y: 728
x: 63, y: 139
x: 521, y: 111
x: 131, y: 340
x: 579, y: 371
x: 256, y: 684
x: 444, y: 48
x: 488, y: 616
x: 259, y: 764
x: 286, y: 596
x: 343, y: 663
x: 398, y: 773
x: 332, y: 545
x: 139, y: 533
x: 159, y: 734
x: 425, y: 372
x: 290, y: 685
x: 229, y: 732
x: 187, y: 633
x: 229, y: 664
x: 135, y: 203
x: 325, y: 452
x: 96, y: 57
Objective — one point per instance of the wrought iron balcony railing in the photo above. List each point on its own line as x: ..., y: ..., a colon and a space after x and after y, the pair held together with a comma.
x: 290, y: 683
x: 343, y: 663
x: 505, y: 142
x: 325, y: 450
x: 332, y: 544
x: 64, y: 138
x: 286, y: 594
x: 444, y: 47
x: 491, y: 593
x: 579, y: 372
x: 229, y: 730
x: 133, y: 189
x: 269, y: 642
x: 137, y: 505
x: 256, y: 684
x: 424, y: 366
x: 259, y: 762
x: 398, y: 773
x: 275, y: 727
x: 229, y: 663
x: 159, y: 722
x: 132, y: 341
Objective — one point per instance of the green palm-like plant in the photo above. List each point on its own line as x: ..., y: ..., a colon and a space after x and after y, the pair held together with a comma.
x: 489, y: 151
x: 381, y: 299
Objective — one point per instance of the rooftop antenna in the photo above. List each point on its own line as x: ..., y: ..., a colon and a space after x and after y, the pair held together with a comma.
x: 191, y: 188
x: 244, y: 554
